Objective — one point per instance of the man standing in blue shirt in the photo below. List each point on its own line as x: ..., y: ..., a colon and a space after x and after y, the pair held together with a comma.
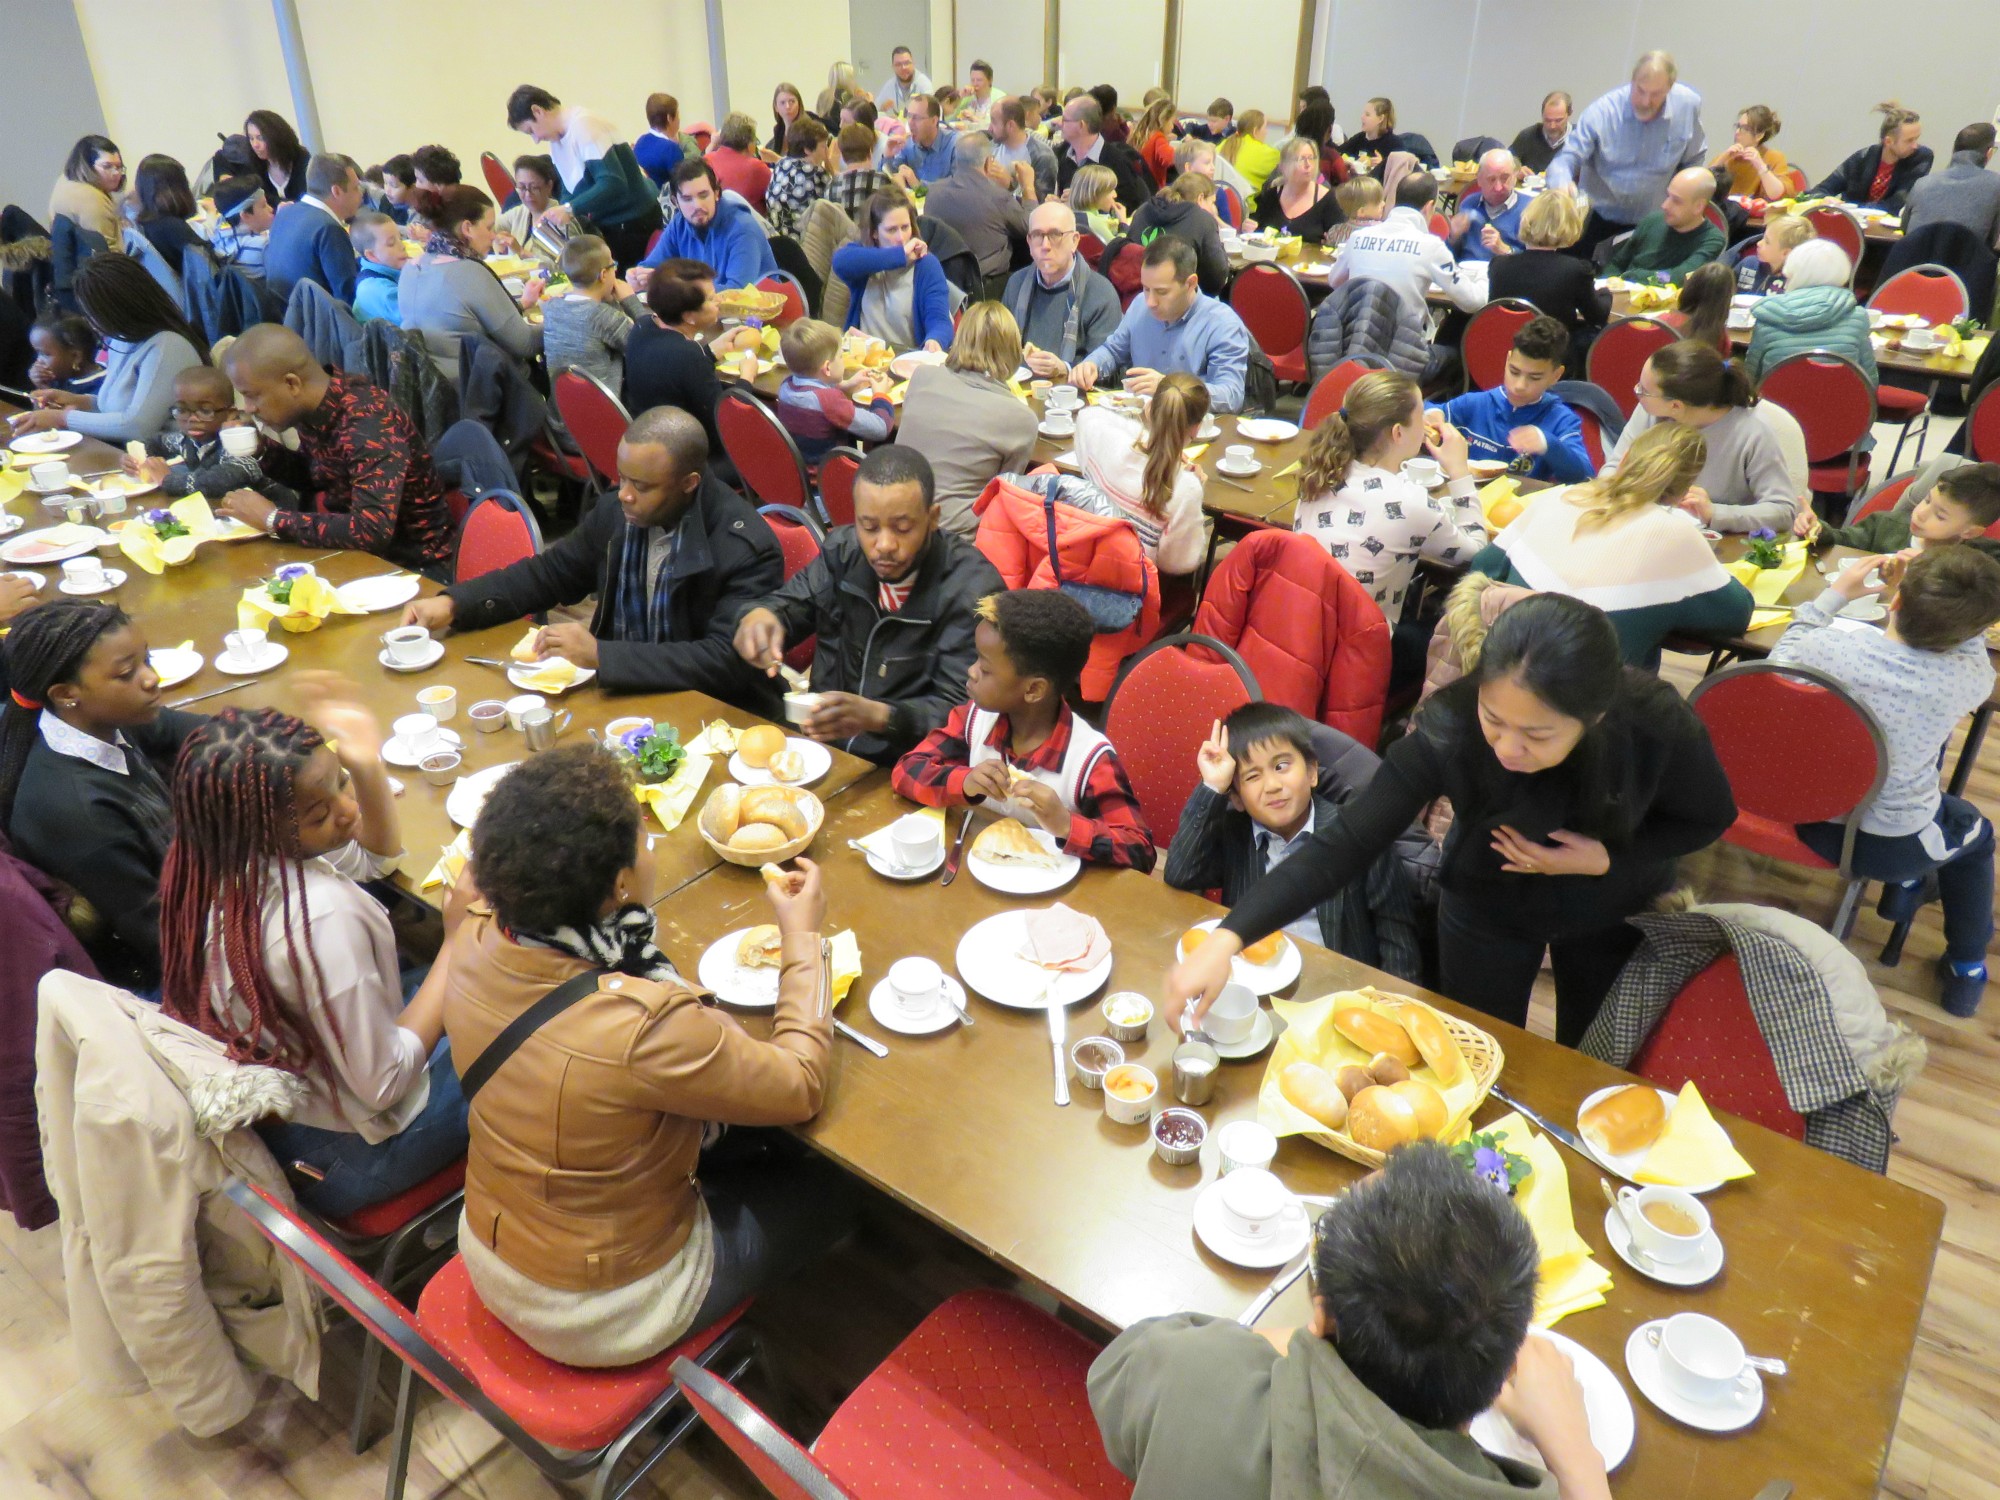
x: 717, y: 231
x: 1520, y: 424
x: 1488, y: 223
x: 1626, y: 146
x: 1174, y: 326
x: 932, y: 149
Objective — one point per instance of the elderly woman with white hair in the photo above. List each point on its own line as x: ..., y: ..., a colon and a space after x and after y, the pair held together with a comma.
x: 1815, y: 311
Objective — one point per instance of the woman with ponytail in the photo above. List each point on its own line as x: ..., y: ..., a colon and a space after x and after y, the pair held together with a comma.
x: 1624, y: 544
x: 449, y: 291
x: 86, y: 755
x: 1135, y: 470
x: 271, y: 946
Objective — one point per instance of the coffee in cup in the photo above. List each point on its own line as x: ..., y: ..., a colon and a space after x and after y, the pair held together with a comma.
x: 408, y: 644
x: 915, y: 983
x: 1700, y: 1358
x: 1668, y: 1224
x: 915, y: 840
x: 419, y: 733
x: 1253, y: 1203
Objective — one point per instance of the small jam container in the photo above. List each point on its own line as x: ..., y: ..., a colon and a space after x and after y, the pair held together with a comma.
x: 487, y: 715
x: 1129, y: 1094
x: 1177, y: 1136
x: 1093, y: 1057
x: 441, y: 769
x: 1127, y: 1014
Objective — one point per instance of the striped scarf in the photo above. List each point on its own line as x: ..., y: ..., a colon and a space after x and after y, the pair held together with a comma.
x: 622, y: 941
x: 640, y: 610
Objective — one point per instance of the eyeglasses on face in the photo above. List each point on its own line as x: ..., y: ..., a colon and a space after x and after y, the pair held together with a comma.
x: 1050, y: 236
x: 201, y: 411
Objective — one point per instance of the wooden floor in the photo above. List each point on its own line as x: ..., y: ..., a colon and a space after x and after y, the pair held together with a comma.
x: 824, y: 1333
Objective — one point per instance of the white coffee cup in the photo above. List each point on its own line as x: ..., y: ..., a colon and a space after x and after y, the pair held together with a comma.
x: 1233, y: 1015
x: 247, y: 646
x: 1425, y: 471
x: 1240, y: 455
x: 419, y: 733
x: 1658, y: 1243
x: 915, y: 840
x: 84, y: 573
x: 50, y: 474
x: 439, y: 702
x: 1058, y: 423
x: 1700, y: 1358
x: 915, y: 983
x: 1064, y: 397
x: 408, y: 644
x: 1245, y: 1146
x: 521, y: 705
x: 239, y: 442
x: 1253, y: 1202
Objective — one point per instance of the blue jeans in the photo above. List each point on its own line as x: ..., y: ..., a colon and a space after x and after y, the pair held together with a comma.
x: 353, y: 1175
x: 772, y: 1216
x: 1964, y: 874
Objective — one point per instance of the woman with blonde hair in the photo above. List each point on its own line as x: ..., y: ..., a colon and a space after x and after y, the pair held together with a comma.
x: 842, y: 84
x: 1560, y: 285
x: 1246, y: 151
x: 962, y: 416
x: 1756, y: 169
x: 1093, y: 194
x: 1622, y: 543
x: 1294, y: 200
x: 1884, y: 173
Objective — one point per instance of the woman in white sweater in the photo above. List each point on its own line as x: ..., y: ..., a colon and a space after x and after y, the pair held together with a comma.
x: 1138, y: 471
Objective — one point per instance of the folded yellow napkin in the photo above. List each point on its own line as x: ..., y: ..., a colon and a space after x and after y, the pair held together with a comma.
x: 1765, y: 619
x: 312, y: 600
x: 556, y: 674
x: 1290, y: 468
x: 1194, y: 451
x: 1692, y: 1147
x: 768, y: 340
x: 451, y: 862
x: 1571, y: 1278
x: 846, y: 963
x: 669, y: 800
x: 877, y: 843
x: 1767, y: 585
x: 12, y: 482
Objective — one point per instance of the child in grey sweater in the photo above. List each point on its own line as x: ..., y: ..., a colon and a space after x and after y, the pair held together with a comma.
x: 586, y: 327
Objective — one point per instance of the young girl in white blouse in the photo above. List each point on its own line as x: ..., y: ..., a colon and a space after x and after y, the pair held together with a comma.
x: 1140, y: 469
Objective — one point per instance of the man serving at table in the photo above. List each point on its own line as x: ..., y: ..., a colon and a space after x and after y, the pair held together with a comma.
x: 1062, y: 305
x: 1623, y: 148
x: 1174, y: 326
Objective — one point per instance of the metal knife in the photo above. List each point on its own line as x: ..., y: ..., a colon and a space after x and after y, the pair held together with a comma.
x: 488, y: 661
x: 866, y: 1043
x: 211, y: 693
x: 957, y: 848
x: 1059, y: 1043
x: 1567, y: 1137
x: 1261, y: 1304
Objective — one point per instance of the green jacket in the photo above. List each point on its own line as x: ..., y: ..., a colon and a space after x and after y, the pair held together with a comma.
x: 1654, y: 250
x: 1888, y: 531
x: 1813, y: 317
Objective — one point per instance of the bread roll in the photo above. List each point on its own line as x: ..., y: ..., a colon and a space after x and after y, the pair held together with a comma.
x: 1352, y: 1078
x: 1192, y: 939
x: 1385, y: 1069
x: 1629, y: 1120
x: 1311, y: 1089
x: 722, y: 814
x: 759, y: 743
x: 1434, y: 1042
x: 1427, y: 1102
x: 758, y: 838
x: 759, y: 948
x: 787, y: 765
x: 1265, y: 950
x: 776, y: 806
x: 1374, y: 1033
x: 523, y: 650
x: 1381, y: 1119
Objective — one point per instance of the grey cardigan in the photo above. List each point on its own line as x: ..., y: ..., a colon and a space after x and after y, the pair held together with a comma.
x: 445, y: 299
x: 137, y: 392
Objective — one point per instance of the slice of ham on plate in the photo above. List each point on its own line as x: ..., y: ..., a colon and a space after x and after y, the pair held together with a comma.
x: 1064, y: 940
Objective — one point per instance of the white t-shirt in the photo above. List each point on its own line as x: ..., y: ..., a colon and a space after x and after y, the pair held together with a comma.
x: 586, y: 138
x: 1379, y: 523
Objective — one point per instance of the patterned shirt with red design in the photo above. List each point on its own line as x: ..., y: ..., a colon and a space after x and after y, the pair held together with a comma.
x: 1878, y: 188
x: 368, y: 479
x: 890, y: 597
x: 1105, y: 829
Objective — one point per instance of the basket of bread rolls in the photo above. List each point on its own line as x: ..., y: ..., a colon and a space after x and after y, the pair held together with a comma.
x: 1365, y: 1071
x: 755, y: 825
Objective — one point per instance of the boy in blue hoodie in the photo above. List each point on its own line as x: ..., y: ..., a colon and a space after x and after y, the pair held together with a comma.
x: 381, y: 256
x: 1519, y: 422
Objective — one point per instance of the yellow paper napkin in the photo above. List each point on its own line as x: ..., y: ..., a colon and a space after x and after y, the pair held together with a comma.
x: 451, y: 862
x: 669, y: 800
x: 554, y: 675
x: 312, y: 600
x: 877, y: 843
x: 1291, y: 468
x: 1765, y: 619
x: 846, y: 957
x: 1194, y: 451
x: 1571, y: 1278
x: 1767, y: 585
x: 1692, y: 1147
x: 12, y: 482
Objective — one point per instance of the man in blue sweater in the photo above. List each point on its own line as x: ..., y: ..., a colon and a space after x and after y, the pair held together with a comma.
x: 709, y: 228
x: 1488, y: 222
x: 1520, y: 423
x: 309, y: 238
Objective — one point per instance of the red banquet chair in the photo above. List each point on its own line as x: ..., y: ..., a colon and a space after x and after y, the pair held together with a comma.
x: 1231, y: 204
x: 1489, y: 336
x: 1935, y: 294
x: 499, y: 530
x: 1709, y: 1033
x: 1159, y: 712
x: 836, y: 485
x: 766, y: 458
x: 1090, y: 247
x: 571, y: 1423
x: 1831, y: 222
x: 1714, y: 216
x: 1618, y: 354
x: 800, y: 539
x: 1882, y: 497
x: 786, y: 285
x: 596, y: 420
x: 499, y: 181
x: 1835, y: 406
x: 1758, y: 714
x: 1440, y: 225
x: 1273, y: 307
x: 987, y: 1397
x: 1333, y: 386
x: 1982, y: 426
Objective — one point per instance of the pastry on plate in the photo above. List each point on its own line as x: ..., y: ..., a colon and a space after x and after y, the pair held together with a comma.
x: 1008, y: 842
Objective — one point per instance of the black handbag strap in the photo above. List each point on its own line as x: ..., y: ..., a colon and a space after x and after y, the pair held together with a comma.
x: 525, y: 1025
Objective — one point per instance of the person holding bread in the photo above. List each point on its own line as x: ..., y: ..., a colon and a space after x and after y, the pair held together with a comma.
x: 598, y: 1224
x: 1577, y: 783
x: 672, y: 557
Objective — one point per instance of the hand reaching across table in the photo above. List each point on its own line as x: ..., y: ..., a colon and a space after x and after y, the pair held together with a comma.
x: 434, y: 613
x: 760, y: 640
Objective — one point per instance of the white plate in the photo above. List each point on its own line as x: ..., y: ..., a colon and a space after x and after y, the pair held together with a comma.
x: 174, y: 665
x: 819, y: 760
x: 373, y: 595
x: 1865, y: 608
x: 1642, y: 1361
x: 1209, y: 430
x: 10, y: 522
x: 433, y: 654
x: 118, y: 485
x: 903, y: 366
x: 235, y: 666
x: 469, y: 793
x: 1264, y: 1030
x: 1624, y: 1166
x: 1704, y: 1267
x: 113, y: 578
x: 46, y: 442
x: 1608, y: 1409
x: 1025, y: 880
x: 520, y: 672
x: 1266, y: 429
x: 1224, y: 466
x: 882, y: 1006
x: 28, y: 549
x: 397, y: 752
x: 746, y: 989
x: 39, y: 580
x: 1023, y: 375
x: 1262, y: 979
x: 989, y: 960
x: 890, y: 871
x: 1257, y: 1255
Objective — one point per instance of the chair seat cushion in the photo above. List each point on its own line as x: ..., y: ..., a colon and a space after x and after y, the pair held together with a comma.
x: 1292, y: 366
x: 569, y: 466
x: 561, y: 1405
x: 1894, y: 404
x: 1761, y: 835
x: 391, y: 1214
x: 1832, y: 478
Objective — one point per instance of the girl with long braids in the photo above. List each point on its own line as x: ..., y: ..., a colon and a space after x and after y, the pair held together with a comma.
x: 272, y: 947
x: 86, y: 754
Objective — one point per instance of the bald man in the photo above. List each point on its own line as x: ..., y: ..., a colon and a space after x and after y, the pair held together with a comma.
x: 673, y: 558
x: 362, y: 471
x: 1623, y: 147
x: 1675, y: 237
x: 1065, y: 309
x: 1488, y: 222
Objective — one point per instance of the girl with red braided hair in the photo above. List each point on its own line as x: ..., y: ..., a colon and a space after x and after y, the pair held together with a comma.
x: 271, y: 946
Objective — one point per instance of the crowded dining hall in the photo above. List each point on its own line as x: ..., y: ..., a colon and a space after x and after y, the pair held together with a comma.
x: 1144, y: 751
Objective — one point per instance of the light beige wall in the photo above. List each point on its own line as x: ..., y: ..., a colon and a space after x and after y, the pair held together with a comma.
x: 769, y: 42
x: 1243, y: 50
x: 1008, y: 36
x: 1119, y: 42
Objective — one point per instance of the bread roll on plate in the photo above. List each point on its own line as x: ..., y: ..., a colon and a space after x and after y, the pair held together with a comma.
x: 758, y: 948
x: 759, y: 743
x: 1627, y: 1121
x: 1263, y: 952
x: 787, y: 765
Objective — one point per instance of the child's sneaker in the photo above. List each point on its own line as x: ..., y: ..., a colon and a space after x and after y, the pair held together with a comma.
x: 1961, y: 987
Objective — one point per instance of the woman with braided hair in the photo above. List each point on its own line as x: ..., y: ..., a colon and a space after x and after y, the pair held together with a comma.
x: 272, y: 947
x: 86, y: 754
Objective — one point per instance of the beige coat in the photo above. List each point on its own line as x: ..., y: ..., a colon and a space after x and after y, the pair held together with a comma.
x: 170, y: 1286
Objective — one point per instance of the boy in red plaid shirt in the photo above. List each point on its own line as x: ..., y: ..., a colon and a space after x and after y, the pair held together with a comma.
x: 1019, y: 748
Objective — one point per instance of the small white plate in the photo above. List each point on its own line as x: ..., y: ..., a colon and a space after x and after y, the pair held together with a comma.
x: 989, y: 960
x: 1704, y: 1267
x: 818, y: 759
x: 1025, y: 880
x: 29, y: 549
x: 731, y: 982
x: 1266, y: 429
x: 40, y: 580
x: 469, y: 793
x: 890, y: 871
x: 1642, y: 1361
x: 397, y: 752
x: 1865, y: 608
x: 903, y: 366
x: 1262, y: 979
x: 373, y: 595
x: 1607, y: 1408
x: 1212, y: 1229
x: 113, y: 578
x: 1209, y: 430
x: 1624, y: 1166
x: 882, y: 1006
x: 46, y: 442
x: 521, y: 672
x: 9, y: 522
x: 433, y: 654
x: 174, y: 665
x: 1224, y: 466
x: 235, y: 666
x: 118, y: 486
x: 1264, y: 1030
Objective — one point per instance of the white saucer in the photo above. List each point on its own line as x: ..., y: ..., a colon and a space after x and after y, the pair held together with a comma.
x: 882, y: 1006
x: 39, y: 580
x: 1212, y: 1229
x: 1642, y: 1362
x: 10, y: 522
x: 1865, y: 608
x: 1694, y: 1272
x: 1224, y: 466
x: 1053, y: 434
x: 890, y: 871
x: 113, y: 578
x: 398, y: 753
x: 235, y: 666
x: 732, y: 983
x: 1606, y: 1407
x: 1209, y: 431
x: 1265, y: 1030
x: 433, y: 654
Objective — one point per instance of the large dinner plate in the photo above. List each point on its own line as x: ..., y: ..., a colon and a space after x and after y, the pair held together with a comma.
x: 383, y: 591
x: 989, y: 960
x: 30, y: 548
x: 1625, y: 1166
x: 733, y: 983
x: 1025, y: 880
x: 469, y: 793
x: 1605, y: 1405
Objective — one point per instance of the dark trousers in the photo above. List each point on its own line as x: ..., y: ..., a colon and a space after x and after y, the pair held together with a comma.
x: 1492, y: 967
x: 776, y: 1207
x: 1960, y: 850
x: 627, y: 241
x: 1596, y: 230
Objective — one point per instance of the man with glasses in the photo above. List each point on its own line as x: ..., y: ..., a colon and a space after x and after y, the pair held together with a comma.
x: 1062, y: 305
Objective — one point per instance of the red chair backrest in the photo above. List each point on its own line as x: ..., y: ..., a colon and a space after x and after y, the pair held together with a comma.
x: 766, y: 458
x: 1160, y: 711
x: 798, y: 540
x: 784, y: 1467
x: 596, y: 420
x: 1090, y: 247
x: 499, y: 180
x: 1797, y: 179
x: 1618, y: 354
x: 786, y: 285
x: 1840, y: 226
x: 1123, y: 272
x: 836, y: 486
x: 1593, y: 432
x: 498, y: 531
x: 1273, y: 307
x: 653, y: 239
x: 1710, y: 1034
x: 1829, y: 395
x: 1489, y: 336
x: 1231, y: 204
x: 1714, y: 216
x: 1934, y: 293
x: 1331, y: 391
x: 1758, y: 714
x: 456, y: 504
x: 1982, y: 426
x: 1440, y: 225
x: 1883, y: 497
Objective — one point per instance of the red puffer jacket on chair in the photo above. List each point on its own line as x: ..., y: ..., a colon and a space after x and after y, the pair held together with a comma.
x: 1097, y: 550
x: 1315, y: 638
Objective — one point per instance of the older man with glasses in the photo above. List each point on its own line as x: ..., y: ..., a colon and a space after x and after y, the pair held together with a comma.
x: 1062, y: 305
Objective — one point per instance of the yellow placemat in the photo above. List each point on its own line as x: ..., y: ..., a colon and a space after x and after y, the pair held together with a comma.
x: 1571, y: 1277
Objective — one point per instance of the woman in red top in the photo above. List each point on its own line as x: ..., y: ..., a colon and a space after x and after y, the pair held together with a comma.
x: 1153, y: 138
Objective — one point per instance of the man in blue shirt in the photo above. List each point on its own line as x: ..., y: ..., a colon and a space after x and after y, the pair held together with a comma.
x: 1488, y: 222
x: 1174, y: 326
x: 1520, y: 424
x: 1626, y: 146
x: 932, y: 149
x: 712, y: 229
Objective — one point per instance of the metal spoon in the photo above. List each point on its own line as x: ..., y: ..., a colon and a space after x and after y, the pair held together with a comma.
x: 1618, y: 1207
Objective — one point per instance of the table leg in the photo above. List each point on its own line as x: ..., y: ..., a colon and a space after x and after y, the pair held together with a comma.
x: 1968, y: 753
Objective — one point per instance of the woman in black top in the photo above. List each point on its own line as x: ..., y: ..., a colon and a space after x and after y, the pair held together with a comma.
x: 1377, y: 136
x: 1575, y: 782
x: 1557, y: 283
x: 279, y: 152
x: 669, y: 359
x: 166, y: 203
x: 788, y: 107
x: 86, y: 753
x: 1293, y: 200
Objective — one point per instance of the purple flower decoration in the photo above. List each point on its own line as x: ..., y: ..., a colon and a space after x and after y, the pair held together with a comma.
x: 1764, y: 534
x: 1490, y: 1166
x: 633, y: 739
x: 290, y: 572
x: 158, y: 515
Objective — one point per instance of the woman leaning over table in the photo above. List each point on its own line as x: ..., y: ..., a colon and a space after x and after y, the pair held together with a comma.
x: 449, y: 291
x: 280, y: 153
x: 650, y: 1236
x: 670, y: 357
x: 1576, y: 782
x: 963, y: 418
x: 148, y: 343
x: 1882, y: 174
x: 1293, y: 199
x: 1815, y: 311
x: 1756, y: 169
x: 895, y: 287
x: 92, y: 182
x: 535, y: 183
